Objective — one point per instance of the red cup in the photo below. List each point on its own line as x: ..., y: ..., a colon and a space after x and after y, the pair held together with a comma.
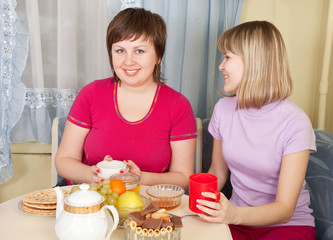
x: 202, y: 182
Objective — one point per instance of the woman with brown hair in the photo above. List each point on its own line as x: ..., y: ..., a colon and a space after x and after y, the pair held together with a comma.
x: 133, y: 116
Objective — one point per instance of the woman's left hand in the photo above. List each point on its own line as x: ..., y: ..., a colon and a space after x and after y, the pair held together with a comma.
x: 217, y: 212
x: 133, y: 168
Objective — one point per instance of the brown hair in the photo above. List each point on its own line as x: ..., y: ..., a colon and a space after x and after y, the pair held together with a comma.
x: 267, y: 76
x: 132, y: 23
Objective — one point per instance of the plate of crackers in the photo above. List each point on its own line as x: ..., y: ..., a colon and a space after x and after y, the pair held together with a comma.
x: 42, y: 202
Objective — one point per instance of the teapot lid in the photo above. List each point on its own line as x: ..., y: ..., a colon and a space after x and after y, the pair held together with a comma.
x: 84, y: 197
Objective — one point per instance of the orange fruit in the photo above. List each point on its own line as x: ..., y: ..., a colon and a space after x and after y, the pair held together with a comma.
x: 117, y: 186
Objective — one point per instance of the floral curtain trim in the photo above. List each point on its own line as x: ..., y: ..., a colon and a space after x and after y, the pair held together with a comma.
x: 42, y: 105
x: 14, y: 51
x: 57, y: 98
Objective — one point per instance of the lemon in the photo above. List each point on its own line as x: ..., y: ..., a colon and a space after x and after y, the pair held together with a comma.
x: 129, y: 202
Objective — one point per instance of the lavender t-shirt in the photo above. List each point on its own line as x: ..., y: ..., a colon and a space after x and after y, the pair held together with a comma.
x: 254, y: 142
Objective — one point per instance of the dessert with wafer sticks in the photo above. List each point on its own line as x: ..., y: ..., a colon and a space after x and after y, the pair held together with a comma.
x: 152, y: 223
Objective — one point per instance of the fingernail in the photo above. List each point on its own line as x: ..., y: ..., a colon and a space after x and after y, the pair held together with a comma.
x: 102, y: 180
x: 98, y: 170
x: 122, y: 171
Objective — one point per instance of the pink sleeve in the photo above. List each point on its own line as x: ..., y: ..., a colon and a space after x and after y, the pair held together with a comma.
x: 183, y: 121
x: 80, y: 113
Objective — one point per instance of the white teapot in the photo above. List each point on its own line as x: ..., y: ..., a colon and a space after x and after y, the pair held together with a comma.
x: 83, y: 216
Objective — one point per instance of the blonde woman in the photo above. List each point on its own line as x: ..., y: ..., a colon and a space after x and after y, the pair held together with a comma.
x: 261, y: 138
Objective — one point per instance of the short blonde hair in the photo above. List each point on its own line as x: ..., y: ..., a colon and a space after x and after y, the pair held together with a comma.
x: 267, y: 76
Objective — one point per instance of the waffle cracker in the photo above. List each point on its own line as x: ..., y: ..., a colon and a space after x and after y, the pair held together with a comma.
x: 43, y: 202
x: 40, y: 205
x: 38, y: 211
x: 46, y: 196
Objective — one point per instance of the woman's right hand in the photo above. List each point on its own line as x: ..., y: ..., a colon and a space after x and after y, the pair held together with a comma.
x: 94, y: 175
x: 95, y: 170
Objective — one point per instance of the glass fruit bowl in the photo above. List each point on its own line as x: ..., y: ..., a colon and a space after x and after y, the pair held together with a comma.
x: 125, y: 211
x: 166, y: 196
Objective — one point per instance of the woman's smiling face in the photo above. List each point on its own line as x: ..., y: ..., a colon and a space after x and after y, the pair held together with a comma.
x: 134, y: 61
x: 233, y: 70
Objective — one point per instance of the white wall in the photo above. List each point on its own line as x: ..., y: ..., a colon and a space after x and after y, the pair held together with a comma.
x: 32, y: 165
x: 303, y: 26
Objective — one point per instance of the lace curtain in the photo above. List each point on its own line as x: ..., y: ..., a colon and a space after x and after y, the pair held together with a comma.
x: 67, y: 51
x: 14, y: 50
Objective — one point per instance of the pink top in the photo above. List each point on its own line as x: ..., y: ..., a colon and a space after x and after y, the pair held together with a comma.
x: 253, y: 145
x: 147, y: 141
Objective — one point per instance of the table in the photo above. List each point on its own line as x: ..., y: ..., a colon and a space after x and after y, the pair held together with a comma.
x: 18, y: 225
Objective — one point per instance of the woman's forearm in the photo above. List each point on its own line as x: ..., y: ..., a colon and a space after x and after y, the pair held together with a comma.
x: 219, y: 167
x: 269, y: 214
x: 175, y: 178
x: 73, y: 170
x: 221, y: 175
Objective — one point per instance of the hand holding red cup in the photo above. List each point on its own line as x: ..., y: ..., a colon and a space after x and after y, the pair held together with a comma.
x: 198, y: 183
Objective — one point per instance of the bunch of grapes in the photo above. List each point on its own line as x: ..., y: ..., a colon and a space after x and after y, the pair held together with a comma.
x: 103, y: 188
